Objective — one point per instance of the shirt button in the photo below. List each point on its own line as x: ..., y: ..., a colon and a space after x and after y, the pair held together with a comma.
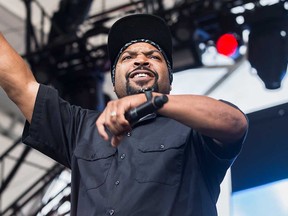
x: 122, y: 156
x: 117, y: 182
x: 162, y: 146
x: 111, y: 212
x: 128, y: 134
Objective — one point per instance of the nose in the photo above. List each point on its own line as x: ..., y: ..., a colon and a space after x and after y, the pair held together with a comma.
x: 141, y: 61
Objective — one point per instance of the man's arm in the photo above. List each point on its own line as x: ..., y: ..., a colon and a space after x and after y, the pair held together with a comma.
x: 213, y: 118
x: 17, y: 79
x: 218, y: 120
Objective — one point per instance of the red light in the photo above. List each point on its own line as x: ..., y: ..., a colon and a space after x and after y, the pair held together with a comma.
x: 227, y: 44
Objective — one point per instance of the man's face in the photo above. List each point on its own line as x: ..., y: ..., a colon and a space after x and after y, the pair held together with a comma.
x: 141, y: 66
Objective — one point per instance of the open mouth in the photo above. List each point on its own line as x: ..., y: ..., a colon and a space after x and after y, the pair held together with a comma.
x: 141, y: 74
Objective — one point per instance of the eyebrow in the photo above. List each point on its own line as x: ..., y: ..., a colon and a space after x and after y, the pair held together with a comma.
x: 145, y: 53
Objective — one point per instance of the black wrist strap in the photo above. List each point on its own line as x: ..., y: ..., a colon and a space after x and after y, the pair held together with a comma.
x: 148, y: 95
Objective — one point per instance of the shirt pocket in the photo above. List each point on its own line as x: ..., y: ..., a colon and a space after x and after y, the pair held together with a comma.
x: 161, y: 161
x: 94, y: 163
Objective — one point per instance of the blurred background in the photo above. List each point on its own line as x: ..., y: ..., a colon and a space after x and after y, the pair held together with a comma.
x: 232, y: 50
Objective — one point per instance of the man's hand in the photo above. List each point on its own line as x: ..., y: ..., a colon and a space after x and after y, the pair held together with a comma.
x: 112, y: 120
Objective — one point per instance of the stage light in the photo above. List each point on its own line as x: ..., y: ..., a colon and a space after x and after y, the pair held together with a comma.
x: 268, y: 42
x: 267, y: 53
x: 227, y: 44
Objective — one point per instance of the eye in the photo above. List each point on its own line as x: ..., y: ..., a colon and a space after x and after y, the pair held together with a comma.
x: 157, y: 57
x: 126, y: 57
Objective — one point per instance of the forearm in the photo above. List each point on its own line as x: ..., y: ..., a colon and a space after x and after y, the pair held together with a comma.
x: 17, y: 79
x: 208, y: 116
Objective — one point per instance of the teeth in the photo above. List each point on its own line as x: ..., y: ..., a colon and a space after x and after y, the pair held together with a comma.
x: 141, y: 75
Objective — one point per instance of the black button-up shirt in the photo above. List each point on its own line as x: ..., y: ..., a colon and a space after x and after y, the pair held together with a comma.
x: 161, y: 167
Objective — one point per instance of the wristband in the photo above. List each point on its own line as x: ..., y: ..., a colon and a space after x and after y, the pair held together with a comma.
x: 148, y: 94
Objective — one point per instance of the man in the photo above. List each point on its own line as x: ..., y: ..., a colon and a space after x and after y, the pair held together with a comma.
x: 170, y: 162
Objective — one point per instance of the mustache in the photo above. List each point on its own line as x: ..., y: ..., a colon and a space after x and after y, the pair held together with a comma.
x: 142, y: 68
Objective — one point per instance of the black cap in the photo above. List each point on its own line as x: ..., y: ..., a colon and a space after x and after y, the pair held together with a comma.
x: 137, y: 27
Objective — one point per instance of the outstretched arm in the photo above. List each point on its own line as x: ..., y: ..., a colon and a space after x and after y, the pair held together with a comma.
x: 17, y: 79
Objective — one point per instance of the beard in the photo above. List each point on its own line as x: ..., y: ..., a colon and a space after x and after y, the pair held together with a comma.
x: 130, y: 90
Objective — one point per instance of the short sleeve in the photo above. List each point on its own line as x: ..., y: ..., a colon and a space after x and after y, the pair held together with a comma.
x: 55, y: 125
